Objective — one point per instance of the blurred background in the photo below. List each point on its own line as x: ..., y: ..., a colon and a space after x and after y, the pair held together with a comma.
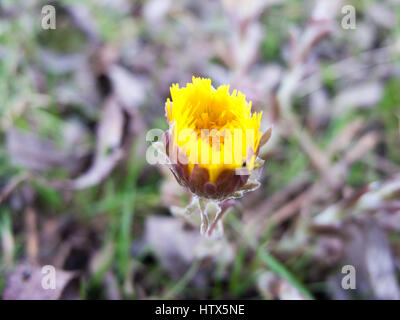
x: 77, y: 193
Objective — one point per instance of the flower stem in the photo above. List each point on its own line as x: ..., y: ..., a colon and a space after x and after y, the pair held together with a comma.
x: 203, y: 216
x: 218, y: 216
x: 192, y: 206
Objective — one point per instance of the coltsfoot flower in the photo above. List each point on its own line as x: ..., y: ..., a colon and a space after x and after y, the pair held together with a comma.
x: 213, y: 142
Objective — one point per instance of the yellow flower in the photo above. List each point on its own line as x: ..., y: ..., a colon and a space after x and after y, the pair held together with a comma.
x: 213, y: 140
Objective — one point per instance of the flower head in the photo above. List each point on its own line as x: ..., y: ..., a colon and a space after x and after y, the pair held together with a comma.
x: 213, y: 140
